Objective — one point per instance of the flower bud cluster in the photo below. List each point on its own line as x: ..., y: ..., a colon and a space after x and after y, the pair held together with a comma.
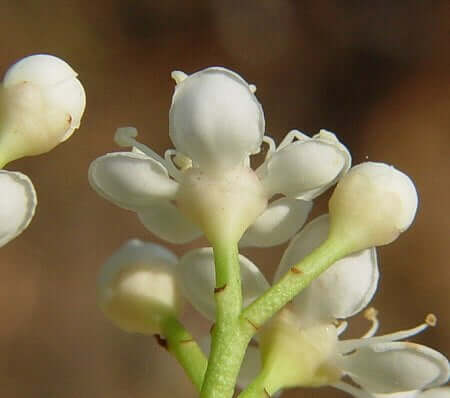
x: 41, y: 105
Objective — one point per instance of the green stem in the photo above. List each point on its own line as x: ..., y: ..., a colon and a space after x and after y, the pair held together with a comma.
x: 187, y: 352
x: 291, y: 284
x: 228, y: 343
x: 257, y: 388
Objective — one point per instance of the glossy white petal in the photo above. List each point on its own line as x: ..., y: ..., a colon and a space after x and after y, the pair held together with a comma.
x: 131, y: 180
x: 396, y: 367
x: 17, y: 204
x: 341, y: 291
x: 304, y: 168
x: 443, y: 392
x: 215, y: 119
x: 164, y: 220
x: 197, y: 279
x: 69, y: 96
x: 279, y: 222
x: 42, y: 69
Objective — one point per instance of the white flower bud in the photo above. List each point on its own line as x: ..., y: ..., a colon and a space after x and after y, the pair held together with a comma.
x: 137, y: 289
x: 371, y: 205
x: 42, y: 102
x: 215, y: 119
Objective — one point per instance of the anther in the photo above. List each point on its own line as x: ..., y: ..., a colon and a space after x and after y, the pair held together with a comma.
x: 178, y: 76
x: 431, y: 320
x: 371, y: 315
x: 126, y: 137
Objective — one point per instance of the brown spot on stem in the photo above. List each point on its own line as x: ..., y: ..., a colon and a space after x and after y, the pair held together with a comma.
x: 256, y: 327
x: 211, y: 329
x: 220, y: 289
x: 253, y: 343
x: 161, y: 341
x: 296, y: 270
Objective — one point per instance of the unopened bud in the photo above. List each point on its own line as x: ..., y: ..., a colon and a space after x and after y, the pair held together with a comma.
x: 137, y: 289
x: 372, y: 204
x: 42, y: 103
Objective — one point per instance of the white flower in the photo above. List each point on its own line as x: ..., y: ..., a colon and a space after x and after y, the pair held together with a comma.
x: 372, y: 205
x: 17, y: 204
x: 301, y: 346
x: 206, y: 185
x: 137, y: 287
x: 42, y: 103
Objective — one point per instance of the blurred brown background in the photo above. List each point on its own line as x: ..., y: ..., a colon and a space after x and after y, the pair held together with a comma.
x: 374, y: 72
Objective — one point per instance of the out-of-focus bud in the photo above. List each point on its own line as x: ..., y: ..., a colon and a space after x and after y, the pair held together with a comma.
x: 371, y: 205
x: 137, y: 289
x: 42, y: 103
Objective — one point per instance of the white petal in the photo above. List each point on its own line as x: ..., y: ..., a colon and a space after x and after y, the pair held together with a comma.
x: 131, y: 180
x: 341, y: 291
x: 165, y: 220
x: 41, y: 69
x: 69, y: 96
x: 215, y: 119
x: 197, y: 279
x: 304, y: 168
x: 443, y: 392
x: 395, y: 367
x: 17, y: 204
x: 279, y: 222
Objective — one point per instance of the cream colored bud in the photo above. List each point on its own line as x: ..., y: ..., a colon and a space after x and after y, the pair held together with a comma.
x: 42, y: 103
x: 137, y: 289
x: 372, y: 204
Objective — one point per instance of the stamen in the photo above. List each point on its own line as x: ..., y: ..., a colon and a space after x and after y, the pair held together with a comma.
x: 290, y: 137
x: 341, y: 327
x: 125, y: 137
x: 346, y: 346
x: 355, y: 391
x: 182, y: 162
x: 272, y: 146
x: 178, y: 76
x: 173, y: 171
x: 371, y: 315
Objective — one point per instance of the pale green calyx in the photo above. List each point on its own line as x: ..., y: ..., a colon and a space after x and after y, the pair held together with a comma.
x: 137, y: 288
x: 371, y: 205
x: 42, y: 103
x: 223, y: 207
